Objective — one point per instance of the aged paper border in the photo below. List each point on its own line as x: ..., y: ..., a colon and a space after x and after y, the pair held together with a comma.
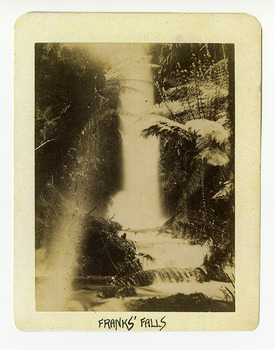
x: 242, y: 30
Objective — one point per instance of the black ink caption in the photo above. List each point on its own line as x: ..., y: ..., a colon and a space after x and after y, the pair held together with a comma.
x: 129, y: 323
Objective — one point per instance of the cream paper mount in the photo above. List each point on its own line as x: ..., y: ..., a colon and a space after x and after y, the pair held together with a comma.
x: 137, y: 171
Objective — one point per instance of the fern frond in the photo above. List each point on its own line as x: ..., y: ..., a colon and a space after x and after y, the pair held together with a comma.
x: 113, y: 75
x: 225, y: 191
x: 201, y: 128
x: 218, y: 65
x: 208, y: 128
x: 166, y: 126
x: 165, y: 109
x: 211, y: 91
x: 214, y: 156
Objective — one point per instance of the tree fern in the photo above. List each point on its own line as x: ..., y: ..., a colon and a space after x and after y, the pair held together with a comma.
x: 194, y: 124
x: 206, y: 133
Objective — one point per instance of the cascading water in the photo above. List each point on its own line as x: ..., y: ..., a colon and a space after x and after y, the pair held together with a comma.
x: 138, y: 204
x: 168, y: 263
x: 138, y: 207
x: 160, y: 250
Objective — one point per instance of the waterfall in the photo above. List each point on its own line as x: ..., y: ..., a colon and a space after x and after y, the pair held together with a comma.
x: 138, y: 204
x: 169, y: 265
x: 161, y: 250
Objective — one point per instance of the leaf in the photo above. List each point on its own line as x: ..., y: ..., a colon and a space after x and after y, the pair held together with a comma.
x: 219, y: 64
x: 225, y: 191
x: 203, y: 128
x: 214, y: 157
x: 165, y: 108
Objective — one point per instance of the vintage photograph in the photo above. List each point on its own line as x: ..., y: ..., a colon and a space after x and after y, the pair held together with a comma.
x: 134, y: 177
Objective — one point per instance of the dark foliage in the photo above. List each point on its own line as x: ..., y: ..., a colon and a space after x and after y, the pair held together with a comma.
x: 103, y: 252
x: 195, y: 85
x: 196, y: 302
x: 67, y: 92
x: 78, y: 145
x: 79, y: 149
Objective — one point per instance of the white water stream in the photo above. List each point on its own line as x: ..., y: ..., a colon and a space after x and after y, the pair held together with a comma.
x: 137, y: 207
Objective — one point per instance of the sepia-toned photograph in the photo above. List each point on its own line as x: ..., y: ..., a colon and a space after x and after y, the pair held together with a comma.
x: 137, y: 171
x: 134, y: 177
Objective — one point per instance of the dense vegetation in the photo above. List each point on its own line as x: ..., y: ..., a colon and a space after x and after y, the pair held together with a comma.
x: 75, y: 124
x: 195, y: 86
x: 78, y: 149
x: 103, y: 252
